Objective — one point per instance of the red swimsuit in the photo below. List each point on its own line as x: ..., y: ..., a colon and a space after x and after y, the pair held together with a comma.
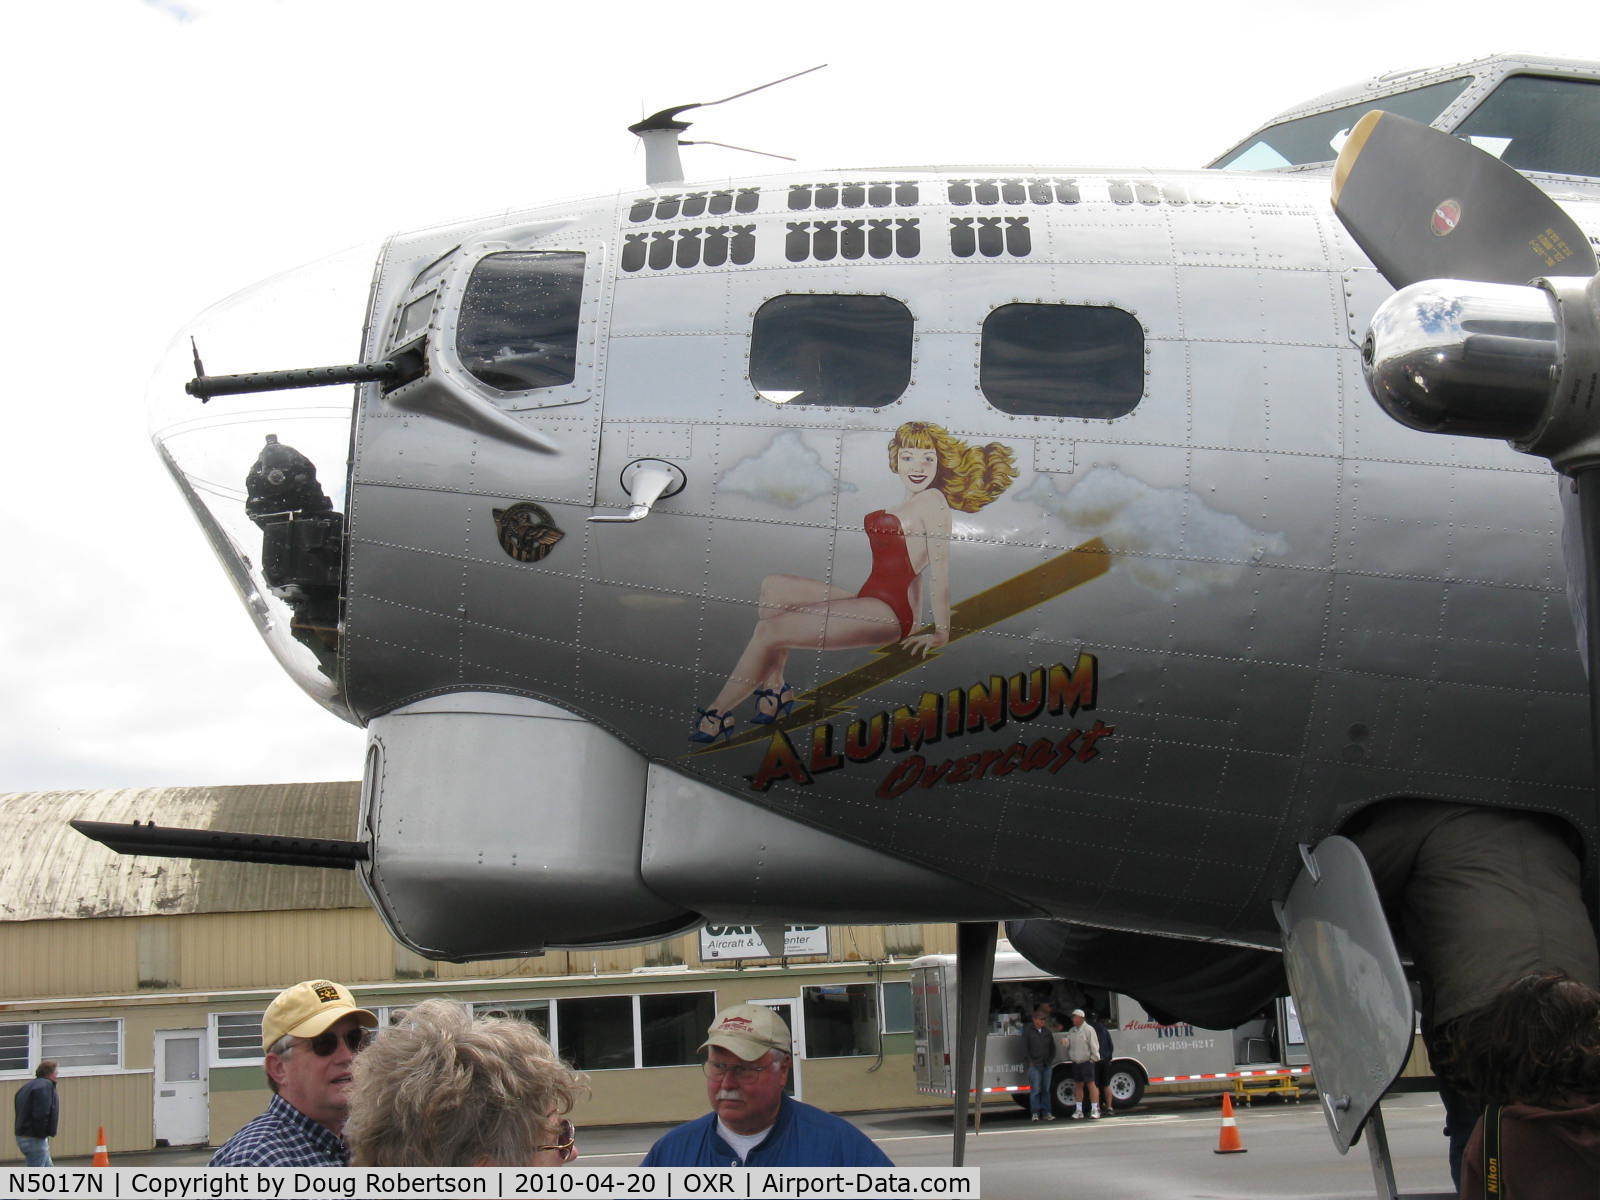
x: 892, y: 576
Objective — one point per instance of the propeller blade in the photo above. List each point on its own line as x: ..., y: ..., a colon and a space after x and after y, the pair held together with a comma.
x: 1427, y: 205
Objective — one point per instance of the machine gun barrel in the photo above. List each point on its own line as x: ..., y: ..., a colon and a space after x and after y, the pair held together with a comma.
x: 387, y: 370
x: 167, y: 842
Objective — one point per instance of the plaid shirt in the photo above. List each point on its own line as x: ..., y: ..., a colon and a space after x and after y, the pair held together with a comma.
x: 283, y: 1136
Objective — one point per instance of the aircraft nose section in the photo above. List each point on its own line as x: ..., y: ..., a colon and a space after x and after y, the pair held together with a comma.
x: 266, y: 474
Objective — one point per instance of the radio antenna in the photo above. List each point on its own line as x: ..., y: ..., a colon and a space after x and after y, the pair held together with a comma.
x: 660, y: 134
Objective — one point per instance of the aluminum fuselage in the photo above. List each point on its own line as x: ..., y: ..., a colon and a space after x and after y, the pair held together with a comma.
x: 1284, y: 607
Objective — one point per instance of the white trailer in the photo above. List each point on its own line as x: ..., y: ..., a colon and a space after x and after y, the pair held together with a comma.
x: 1146, y: 1054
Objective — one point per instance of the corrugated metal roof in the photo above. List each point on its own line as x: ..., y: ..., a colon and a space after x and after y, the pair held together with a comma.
x: 50, y: 871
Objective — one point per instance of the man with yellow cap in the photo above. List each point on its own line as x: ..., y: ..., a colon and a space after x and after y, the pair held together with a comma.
x: 310, y: 1035
x: 752, y: 1123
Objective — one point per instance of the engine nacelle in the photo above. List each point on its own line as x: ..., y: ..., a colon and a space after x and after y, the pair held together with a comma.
x: 500, y: 826
x: 1210, y: 984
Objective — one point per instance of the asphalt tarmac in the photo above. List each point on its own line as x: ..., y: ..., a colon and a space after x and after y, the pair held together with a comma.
x: 1163, y: 1150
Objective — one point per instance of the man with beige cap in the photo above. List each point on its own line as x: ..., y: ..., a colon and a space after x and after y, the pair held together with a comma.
x: 752, y: 1123
x: 310, y: 1035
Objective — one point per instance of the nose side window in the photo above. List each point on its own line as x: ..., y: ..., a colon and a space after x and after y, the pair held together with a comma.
x: 1062, y: 360
x: 518, y: 328
x: 835, y: 351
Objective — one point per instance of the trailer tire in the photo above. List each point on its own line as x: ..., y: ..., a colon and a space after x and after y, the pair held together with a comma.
x: 1126, y: 1084
x: 1061, y: 1101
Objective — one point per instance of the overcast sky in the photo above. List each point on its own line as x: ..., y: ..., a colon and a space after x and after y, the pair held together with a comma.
x: 166, y: 153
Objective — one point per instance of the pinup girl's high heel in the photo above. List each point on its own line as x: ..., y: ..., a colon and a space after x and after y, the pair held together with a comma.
x: 724, y: 723
x: 782, y: 698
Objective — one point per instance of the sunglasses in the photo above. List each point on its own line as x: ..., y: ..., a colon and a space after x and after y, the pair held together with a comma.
x: 566, y: 1140
x: 325, y: 1044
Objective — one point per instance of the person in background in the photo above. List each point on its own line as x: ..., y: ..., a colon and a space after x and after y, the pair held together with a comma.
x: 1038, y: 1053
x: 1083, y: 1051
x: 1531, y: 1057
x: 310, y: 1034
x: 445, y: 1089
x: 38, y: 1113
x: 1102, y: 1067
x: 752, y: 1123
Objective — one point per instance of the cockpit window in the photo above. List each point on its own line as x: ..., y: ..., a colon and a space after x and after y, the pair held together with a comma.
x: 832, y: 351
x: 1535, y: 123
x: 1062, y: 360
x: 519, y: 319
x: 1317, y: 138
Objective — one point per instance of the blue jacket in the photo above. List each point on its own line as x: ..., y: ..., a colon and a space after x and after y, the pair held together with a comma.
x: 802, y: 1136
x: 1105, y: 1041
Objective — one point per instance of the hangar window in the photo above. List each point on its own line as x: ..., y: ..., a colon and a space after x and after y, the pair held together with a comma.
x: 74, y: 1046
x: 1535, y: 123
x: 518, y: 328
x: 597, y: 1032
x: 672, y: 1026
x: 13, y: 1048
x: 535, y: 1012
x: 897, y: 1008
x: 603, y: 1033
x: 844, y: 1019
x: 236, y: 1037
x: 77, y: 1044
x: 831, y: 351
x: 1062, y: 360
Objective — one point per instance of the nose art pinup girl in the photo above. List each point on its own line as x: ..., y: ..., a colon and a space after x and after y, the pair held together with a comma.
x: 909, y: 543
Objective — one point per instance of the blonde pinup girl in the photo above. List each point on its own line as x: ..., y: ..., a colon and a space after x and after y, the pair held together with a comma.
x: 910, y: 543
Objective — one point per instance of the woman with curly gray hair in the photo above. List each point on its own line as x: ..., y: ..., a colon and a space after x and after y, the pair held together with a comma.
x: 442, y: 1089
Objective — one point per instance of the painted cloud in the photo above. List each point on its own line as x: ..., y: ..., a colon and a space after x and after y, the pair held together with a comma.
x: 1167, y: 540
x: 787, y: 474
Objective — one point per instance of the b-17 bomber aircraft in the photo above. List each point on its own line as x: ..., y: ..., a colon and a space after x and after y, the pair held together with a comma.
x: 969, y: 543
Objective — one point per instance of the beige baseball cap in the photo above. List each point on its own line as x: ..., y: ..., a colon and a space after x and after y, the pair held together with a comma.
x: 306, y: 1009
x: 749, y: 1030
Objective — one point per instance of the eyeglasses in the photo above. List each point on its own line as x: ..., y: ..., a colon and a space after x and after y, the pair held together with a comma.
x: 566, y: 1140
x: 741, y: 1072
x: 325, y: 1044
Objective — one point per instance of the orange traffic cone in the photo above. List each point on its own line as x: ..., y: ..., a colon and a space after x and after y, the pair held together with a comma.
x: 1228, y: 1139
x: 101, y: 1158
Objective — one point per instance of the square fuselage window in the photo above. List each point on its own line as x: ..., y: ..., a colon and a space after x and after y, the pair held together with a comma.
x: 831, y: 351
x: 1062, y: 360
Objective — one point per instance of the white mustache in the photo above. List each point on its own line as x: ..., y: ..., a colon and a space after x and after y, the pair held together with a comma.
x: 729, y: 1094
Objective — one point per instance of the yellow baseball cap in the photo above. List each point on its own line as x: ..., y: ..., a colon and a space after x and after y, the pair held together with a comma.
x: 749, y: 1030
x: 306, y: 1009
